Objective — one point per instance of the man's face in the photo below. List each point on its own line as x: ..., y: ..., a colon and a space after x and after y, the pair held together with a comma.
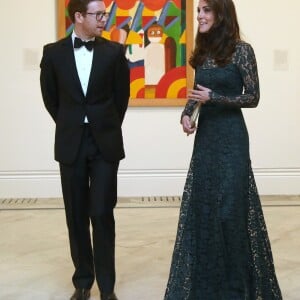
x: 93, y: 21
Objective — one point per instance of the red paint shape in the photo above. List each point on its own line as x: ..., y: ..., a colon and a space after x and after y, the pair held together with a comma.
x: 146, y: 20
x: 141, y: 93
x: 177, y: 3
x: 137, y: 73
x: 168, y: 79
x: 68, y: 22
x: 125, y: 4
x: 107, y: 2
x: 182, y: 93
x: 169, y: 19
x: 120, y: 20
x: 154, y: 4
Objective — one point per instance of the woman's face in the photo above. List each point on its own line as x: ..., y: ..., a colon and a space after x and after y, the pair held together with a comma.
x: 205, y: 17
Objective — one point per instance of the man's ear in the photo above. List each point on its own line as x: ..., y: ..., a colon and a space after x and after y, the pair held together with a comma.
x: 78, y: 17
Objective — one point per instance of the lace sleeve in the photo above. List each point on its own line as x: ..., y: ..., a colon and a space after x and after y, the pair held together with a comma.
x: 189, y: 107
x: 244, y: 58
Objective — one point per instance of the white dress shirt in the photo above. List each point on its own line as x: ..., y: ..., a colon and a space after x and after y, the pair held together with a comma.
x: 83, y: 59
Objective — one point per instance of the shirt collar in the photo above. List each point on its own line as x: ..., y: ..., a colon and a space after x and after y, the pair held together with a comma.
x: 74, y: 35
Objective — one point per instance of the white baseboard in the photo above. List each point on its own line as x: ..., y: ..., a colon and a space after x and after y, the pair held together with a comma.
x: 46, y: 184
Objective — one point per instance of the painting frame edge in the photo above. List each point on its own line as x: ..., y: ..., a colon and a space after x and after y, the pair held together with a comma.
x: 163, y: 102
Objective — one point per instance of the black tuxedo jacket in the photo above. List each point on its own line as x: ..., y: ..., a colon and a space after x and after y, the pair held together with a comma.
x: 105, y: 102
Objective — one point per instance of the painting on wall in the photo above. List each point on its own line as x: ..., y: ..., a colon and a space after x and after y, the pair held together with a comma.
x: 157, y: 40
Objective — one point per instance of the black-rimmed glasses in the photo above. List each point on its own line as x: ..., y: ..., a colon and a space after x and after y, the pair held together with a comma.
x: 100, y: 15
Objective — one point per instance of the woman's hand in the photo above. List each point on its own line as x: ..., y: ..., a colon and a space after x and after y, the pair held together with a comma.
x: 187, y: 126
x: 201, y: 94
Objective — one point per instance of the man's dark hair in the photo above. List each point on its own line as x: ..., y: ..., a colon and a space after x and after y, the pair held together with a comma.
x: 78, y: 6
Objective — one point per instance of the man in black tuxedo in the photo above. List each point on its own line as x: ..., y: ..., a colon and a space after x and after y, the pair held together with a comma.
x: 85, y: 87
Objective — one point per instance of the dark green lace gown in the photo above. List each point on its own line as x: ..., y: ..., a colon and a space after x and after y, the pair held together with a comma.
x: 222, y: 250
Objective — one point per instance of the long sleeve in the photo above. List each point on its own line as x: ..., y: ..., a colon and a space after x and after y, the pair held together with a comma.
x: 189, y: 106
x: 121, y: 85
x: 244, y: 58
x: 48, y: 84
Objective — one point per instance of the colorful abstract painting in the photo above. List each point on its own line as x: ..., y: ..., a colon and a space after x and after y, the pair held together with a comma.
x: 154, y: 33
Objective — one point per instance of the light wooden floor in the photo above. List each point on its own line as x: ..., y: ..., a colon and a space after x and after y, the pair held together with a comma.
x: 34, y: 252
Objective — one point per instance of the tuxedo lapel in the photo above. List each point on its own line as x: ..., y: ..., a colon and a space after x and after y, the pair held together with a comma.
x: 96, y: 64
x: 71, y: 69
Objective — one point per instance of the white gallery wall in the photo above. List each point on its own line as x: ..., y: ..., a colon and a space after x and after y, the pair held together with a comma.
x: 158, y: 153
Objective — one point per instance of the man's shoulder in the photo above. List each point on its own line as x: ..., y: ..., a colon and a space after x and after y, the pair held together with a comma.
x: 114, y: 46
x: 56, y: 44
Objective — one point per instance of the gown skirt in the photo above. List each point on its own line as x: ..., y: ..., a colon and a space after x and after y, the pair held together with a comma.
x: 222, y: 250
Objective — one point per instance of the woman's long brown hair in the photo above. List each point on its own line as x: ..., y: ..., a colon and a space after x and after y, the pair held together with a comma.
x: 219, y: 43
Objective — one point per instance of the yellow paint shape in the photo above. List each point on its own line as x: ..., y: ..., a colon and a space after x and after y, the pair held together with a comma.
x: 175, y: 88
x: 122, y: 12
x: 134, y: 38
x: 148, y: 13
x: 163, y: 39
x: 183, y: 38
x: 150, y: 91
x: 106, y: 34
x: 136, y: 86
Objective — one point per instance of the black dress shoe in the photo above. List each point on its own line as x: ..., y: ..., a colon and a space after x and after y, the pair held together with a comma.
x: 81, y: 294
x: 111, y: 296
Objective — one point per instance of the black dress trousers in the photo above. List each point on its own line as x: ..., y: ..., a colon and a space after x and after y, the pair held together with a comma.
x: 89, y: 188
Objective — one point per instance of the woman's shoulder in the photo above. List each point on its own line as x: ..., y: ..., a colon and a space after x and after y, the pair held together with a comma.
x: 243, y: 46
x: 243, y: 53
x: 243, y: 50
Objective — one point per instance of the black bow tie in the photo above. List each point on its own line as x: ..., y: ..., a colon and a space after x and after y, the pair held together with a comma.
x: 79, y: 43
